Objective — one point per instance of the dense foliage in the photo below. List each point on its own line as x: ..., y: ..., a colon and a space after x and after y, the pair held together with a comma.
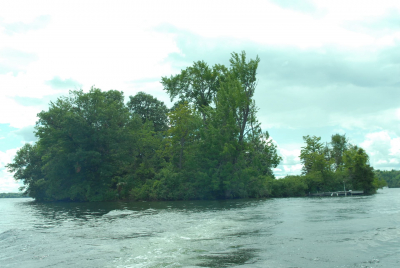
x: 209, y: 145
x: 91, y: 146
x: 392, y: 177
x: 328, y: 167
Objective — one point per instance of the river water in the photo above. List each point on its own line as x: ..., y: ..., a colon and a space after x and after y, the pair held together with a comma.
x: 358, y: 231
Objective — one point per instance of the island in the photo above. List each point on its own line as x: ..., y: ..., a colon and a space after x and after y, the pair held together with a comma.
x: 210, y: 145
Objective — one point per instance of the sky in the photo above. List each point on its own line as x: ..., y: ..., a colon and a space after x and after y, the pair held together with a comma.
x: 327, y: 66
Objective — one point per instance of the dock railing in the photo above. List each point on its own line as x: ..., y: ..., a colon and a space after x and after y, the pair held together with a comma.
x: 338, y: 193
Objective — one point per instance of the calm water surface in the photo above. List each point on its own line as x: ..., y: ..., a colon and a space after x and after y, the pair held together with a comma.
x: 289, y: 232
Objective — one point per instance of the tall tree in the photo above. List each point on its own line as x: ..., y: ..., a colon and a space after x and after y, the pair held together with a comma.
x: 245, y: 72
x: 196, y: 85
x: 311, y: 155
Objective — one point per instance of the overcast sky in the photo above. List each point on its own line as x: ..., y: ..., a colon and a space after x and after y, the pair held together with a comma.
x: 326, y: 66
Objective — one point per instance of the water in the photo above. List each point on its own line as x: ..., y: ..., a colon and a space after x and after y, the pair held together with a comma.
x: 293, y: 232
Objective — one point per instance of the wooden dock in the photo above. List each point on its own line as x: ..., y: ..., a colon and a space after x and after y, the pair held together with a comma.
x: 338, y: 193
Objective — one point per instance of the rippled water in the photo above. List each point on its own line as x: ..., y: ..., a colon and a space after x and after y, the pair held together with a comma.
x: 289, y: 232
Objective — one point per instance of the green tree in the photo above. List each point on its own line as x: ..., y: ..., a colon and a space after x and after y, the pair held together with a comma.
x: 392, y: 177
x: 150, y: 110
x: 237, y: 159
x: 183, y: 131
x: 245, y: 72
x: 92, y: 147
x: 230, y: 152
x: 339, y: 145
x: 318, y: 165
x: 197, y: 85
x: 379, y: 183
x: 359, y: 173
x: 84, y: 139
x: 311, y: 155
x: 27, y: 168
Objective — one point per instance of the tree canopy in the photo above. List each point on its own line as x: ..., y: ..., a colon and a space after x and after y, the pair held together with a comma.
x: 210, y: 145
x: 330, y: 167
x: 149, y: 109
x: 92, y: 146
x: 391, y: 177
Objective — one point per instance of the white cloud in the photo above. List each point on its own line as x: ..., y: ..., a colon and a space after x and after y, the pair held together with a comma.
x: 100, y: 43
x: 7, y: 182
x: 290, y: 164
x: 340, y: 10
x: 293, y: 170
x: 110, y: 44
x: 290, y: 157
x: 7, y: 157
x: 384, y: 119
x: 17, y: 115
x: 383, y: 149
x: 106, y: 44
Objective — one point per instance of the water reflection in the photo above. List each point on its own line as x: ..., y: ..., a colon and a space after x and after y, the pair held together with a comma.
x: 59, y: 212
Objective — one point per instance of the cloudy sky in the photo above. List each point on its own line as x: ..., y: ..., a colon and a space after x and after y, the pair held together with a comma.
x: 327, y: 66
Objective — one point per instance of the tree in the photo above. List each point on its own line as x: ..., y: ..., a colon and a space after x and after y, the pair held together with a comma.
x: 199, y: 85
x: 311, y: 155
x: 318, y: 165
x: 237, y: 156
x: 245, y: 72
x: 392, y: 177
x: 262, y: 153
x: 27, y: 166
x: 84, y: 139
x: 196, y: 85
x: 339, y: 145
x: 359, y: 173
x: 233, y: 152
x: 184, y: 130
x: 149, y: 109
x: 93, y: 147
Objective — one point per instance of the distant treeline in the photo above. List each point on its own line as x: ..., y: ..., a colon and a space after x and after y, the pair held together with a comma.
x: 12, y: 195
x: 392, y: 177
x: 209, y: 145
